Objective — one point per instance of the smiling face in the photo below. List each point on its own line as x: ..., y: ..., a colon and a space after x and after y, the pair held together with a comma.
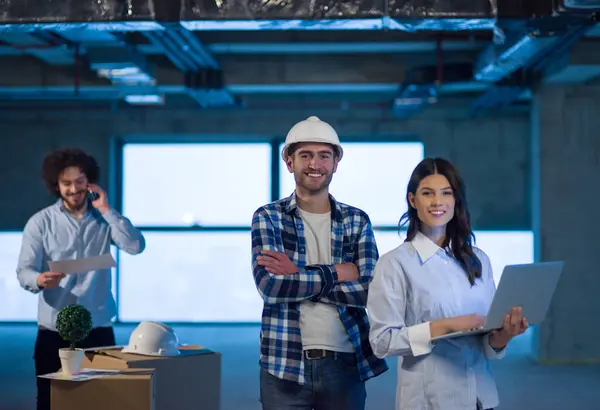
x: 72, y: 186
x: 313, y: 166
x: 434, y: 201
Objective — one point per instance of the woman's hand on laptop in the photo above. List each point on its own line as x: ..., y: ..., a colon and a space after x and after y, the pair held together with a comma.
x: 514, y: 325
x: 456, y: 324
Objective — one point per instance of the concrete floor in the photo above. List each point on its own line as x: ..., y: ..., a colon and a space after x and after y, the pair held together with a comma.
x: 523, y: 384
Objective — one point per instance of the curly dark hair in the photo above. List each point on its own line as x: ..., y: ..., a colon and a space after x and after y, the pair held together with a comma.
x: 57, y: 161
x: 459, y: 234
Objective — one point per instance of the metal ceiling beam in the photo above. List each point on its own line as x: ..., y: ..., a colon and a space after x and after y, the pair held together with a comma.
x: 286, y: 48
x: 183, y: 48
x: 355, y: 24
x: 203, y: 77
x: 341, y: 48
x: 106, y: 54
x: 331, y: 69
x: 108, y: 91
x: 42, y: 45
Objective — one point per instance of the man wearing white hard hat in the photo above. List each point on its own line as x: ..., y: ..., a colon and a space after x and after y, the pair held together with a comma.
x: 313, y: 259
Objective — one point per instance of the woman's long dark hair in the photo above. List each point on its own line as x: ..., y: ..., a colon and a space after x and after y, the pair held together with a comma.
x: 458, y: 231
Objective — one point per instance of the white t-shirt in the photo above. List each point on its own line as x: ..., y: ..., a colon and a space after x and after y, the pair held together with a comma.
x: 320, y: 324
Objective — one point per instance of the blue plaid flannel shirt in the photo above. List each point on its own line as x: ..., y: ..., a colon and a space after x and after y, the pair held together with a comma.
x: 278, y: 227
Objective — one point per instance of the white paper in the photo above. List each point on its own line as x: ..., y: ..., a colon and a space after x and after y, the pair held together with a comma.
x: 83, y: 375
x: 105, y: 261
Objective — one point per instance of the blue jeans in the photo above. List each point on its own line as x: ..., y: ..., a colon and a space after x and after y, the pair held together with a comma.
x: 332, y: 383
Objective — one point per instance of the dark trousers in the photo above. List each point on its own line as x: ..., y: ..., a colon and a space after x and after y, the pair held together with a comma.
x: 47, y: 361
x: 332, y: 383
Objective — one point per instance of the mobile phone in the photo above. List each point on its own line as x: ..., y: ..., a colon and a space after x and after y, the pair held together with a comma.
x: 93, y: 196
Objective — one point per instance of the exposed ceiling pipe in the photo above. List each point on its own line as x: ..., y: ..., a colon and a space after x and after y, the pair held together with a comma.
x: 30, y: 46
x: 43, y: 45
x: 440, y: 61
x: 77, y: 68
x: 282, y: 105
x: 422, y: 84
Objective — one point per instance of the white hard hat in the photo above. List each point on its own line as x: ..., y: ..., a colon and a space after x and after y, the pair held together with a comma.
x: 153, y: 339
x: 312, y: 130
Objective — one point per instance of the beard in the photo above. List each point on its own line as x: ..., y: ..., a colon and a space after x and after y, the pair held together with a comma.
x: 75, y: 202
x: 313, y: 185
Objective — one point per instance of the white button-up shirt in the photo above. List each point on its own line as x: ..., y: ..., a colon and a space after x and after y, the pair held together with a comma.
x: 413, y: 285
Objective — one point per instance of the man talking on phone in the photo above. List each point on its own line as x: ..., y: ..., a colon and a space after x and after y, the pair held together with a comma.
x: 80, y: 224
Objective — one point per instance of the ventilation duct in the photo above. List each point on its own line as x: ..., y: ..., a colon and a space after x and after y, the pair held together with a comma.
x: 497, y: 62
x: 553, y: 26
x: 538, y: 48
x: 581, y: 5
x: 333, y: 9
x: 143, y: 15
x: 405, y: 15
x: 75, y: 11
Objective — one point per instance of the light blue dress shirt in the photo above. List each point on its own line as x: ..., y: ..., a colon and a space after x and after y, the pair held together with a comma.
x: 54, y: 234
x: 415, y: 284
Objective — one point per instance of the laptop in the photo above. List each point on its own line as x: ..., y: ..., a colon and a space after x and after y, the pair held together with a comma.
x: 530, y: 286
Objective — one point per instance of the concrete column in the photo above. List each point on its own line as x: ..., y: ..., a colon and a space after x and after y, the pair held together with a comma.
x: 565, y: 159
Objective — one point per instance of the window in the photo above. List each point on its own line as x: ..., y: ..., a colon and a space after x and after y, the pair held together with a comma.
x: 204, y: 274
x: 505, y: 248
x: 502, y: 247
x: 372, y: 177
x: 195, y: 184
x: 197, y: 276
x: 19, y: 305
x: 388, y: 240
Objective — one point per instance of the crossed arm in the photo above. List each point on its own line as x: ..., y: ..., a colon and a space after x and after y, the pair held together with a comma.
x: 279, y: 280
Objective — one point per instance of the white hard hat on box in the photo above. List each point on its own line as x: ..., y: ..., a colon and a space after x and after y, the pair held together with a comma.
x: 312, y: 130
x: 153, y: 339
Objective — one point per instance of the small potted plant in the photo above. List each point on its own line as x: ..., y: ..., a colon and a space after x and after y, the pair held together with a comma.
x: 73, y: 323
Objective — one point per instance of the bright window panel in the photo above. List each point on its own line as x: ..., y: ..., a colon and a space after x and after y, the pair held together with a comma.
x: 505, y: 248
x: 502, y: 247
x: 19, y: 305
x: 370, y: 176
x: 388, y: 240
x: 189, y: 184
x: 190, y: 277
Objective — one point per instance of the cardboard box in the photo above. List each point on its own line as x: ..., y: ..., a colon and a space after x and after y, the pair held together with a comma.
x: 190, y: 381
x: 131, y: 390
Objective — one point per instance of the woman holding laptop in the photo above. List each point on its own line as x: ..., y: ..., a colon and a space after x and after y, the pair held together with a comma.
x: 436, y: 283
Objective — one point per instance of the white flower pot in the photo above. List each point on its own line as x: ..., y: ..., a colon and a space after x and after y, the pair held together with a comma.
x: 70, y: 360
